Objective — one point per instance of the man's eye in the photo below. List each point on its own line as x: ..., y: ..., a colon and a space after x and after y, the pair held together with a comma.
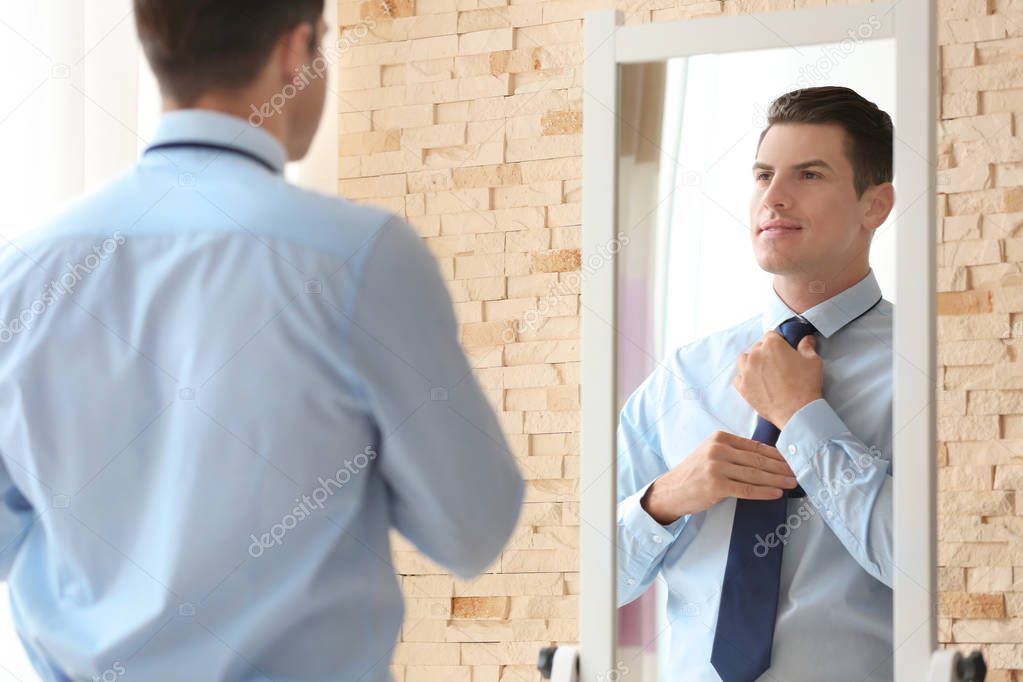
x: 811, y: 173
x: 761, y: 176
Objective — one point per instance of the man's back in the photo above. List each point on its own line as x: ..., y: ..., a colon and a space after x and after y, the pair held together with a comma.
x: 219, y: 392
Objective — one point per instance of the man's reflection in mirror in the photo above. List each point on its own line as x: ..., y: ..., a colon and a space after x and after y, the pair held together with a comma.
x: 755, y: 471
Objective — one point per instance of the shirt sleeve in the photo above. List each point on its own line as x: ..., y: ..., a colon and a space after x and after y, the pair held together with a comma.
x: 455, y: 488
x: 849, y: 483
x: 642, y: 541
x: 16, y: 517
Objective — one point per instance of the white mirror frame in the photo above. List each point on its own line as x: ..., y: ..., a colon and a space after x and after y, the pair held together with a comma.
x: 608, y: 43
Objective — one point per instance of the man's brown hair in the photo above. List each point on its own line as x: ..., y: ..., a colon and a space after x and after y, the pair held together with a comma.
x: 868, y: 129
x: 197, y: 45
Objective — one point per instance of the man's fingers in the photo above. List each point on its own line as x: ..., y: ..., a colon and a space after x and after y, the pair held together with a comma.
x: 764, y: 457
x: 759, y: 448
x: 759, y: 477
x: 748, y: 444
x: 754, y: 453
x: 775, y: 465
x: 749, y: 491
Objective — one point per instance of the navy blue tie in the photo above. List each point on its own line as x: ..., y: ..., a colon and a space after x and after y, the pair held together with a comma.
x: 749, y: 593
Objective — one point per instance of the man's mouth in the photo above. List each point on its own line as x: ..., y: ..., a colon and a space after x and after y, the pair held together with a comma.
x: 779, y: 227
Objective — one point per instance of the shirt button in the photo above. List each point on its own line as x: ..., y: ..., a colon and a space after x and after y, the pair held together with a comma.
x: 656, y: 538
x: 631, y: 581
x: 792, y: 449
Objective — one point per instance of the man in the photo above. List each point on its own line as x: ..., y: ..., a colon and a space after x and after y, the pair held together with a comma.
x: 777, y: 548
x: 220, y: 392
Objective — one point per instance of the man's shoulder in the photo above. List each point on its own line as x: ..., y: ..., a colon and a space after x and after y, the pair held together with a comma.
x: 720, y: 343
x: 83, y: 215
x: 275, y: 210
x: 333, y: 223
x: 699, y: 363
x: 332, y: 209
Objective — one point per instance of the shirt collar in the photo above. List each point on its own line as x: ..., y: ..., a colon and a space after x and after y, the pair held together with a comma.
x: 828, y: 316
x: 205, y: 126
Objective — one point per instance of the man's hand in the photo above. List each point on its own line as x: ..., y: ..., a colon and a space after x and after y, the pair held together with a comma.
x: 723, y: 465
x: 777, y: 379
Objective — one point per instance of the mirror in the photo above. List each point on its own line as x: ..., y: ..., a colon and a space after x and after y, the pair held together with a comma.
x: 697, y: 285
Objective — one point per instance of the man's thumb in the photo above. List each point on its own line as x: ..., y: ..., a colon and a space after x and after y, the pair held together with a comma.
x: 808, y: 345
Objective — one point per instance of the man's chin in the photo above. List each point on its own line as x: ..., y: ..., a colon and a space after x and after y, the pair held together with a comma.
x: 775, y: 263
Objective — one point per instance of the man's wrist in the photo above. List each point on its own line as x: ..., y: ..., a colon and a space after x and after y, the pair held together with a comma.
x: 650, y: 504
x: 784, y: 420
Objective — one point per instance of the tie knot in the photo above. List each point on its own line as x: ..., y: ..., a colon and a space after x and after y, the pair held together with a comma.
x: 794, y: 329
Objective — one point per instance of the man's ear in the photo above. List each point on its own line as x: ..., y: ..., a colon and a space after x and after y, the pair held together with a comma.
x: 881, y: 200
x: 293, y: 49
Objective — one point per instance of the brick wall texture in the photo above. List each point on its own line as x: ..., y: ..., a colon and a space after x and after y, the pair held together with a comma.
x: 465, y: 117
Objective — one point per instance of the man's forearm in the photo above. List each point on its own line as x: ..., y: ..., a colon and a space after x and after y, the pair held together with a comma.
x: 846, y: 481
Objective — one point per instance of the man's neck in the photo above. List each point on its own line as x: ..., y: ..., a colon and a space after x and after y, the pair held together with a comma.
x: 802, y: 293
x: 235, y: 105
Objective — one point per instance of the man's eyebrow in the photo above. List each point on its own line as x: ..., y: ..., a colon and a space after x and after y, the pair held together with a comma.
x: 799, y: 166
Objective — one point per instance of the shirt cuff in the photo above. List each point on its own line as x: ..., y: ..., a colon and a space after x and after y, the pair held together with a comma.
x: 808, y: 432
x: 641, y: 531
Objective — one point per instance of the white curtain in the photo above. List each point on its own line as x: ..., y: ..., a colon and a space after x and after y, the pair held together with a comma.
x: 69, y: 107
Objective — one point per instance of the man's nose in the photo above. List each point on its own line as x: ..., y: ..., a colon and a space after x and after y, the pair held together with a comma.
x: 777, y: 195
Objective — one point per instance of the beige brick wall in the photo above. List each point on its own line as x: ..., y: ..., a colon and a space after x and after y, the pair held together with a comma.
x: 980, y: 301
x: 465, y: 117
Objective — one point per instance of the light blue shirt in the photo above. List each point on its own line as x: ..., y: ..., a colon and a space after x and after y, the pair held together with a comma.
x: 835, y: 605
x: 218, y: 393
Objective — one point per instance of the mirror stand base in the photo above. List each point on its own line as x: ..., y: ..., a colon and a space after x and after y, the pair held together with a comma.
x: 559, y: 663
x: 951, y: 666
